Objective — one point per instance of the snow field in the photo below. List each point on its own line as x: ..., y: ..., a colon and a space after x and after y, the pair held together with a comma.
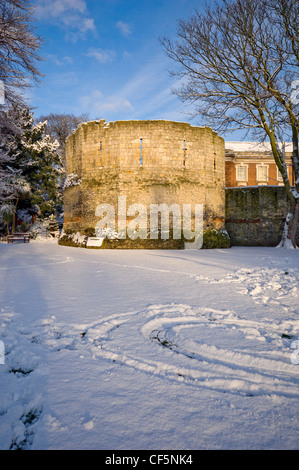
x: 76, y: 364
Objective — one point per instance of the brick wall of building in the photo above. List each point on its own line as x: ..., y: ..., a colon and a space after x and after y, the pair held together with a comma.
x: 239, y: 155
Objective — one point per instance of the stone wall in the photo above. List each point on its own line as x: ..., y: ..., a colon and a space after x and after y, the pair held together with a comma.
x: 181, y: 164
x: 255, y: 215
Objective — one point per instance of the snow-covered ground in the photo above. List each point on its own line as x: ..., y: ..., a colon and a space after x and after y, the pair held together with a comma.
x: 148, y: 349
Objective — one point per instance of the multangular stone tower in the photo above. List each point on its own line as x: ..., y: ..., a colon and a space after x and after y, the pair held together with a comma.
x: 148, y: 162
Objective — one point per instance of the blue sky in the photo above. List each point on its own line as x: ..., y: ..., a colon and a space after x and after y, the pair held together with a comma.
x: 103, y: 57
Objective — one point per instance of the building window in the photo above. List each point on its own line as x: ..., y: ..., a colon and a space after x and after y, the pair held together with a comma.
x: 262, y: 174
x: 242, y: 174
x: 279, y: 177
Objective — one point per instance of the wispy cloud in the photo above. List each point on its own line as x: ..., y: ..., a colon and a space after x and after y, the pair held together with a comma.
x: 102, y: 56
x: 98, y: 104
x: 72, y: 15
x: 124, y: 28
x: 55, y: 8
x: 116, y: 103
x: 66, y: 60
x: 141, y: 97
x: 147, y: 80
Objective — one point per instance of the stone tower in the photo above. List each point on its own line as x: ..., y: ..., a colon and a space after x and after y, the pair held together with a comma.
x: 148, y: 162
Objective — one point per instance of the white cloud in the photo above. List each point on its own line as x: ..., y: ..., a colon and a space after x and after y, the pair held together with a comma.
x: 124, y: 28
x: 66, y: 60
x: 88, y: 24
x: 102, y: 56
x: 145, y: 95
x: 96, y: 103
x: 69, y: 14
x: 149, y: 89
x: 116, y: 103
x: 55, y: 8
x: 88, y: 101
x: 147, y: 79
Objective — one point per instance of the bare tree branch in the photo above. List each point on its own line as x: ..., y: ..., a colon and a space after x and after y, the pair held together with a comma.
x: 19, y: 46
x: 237, y: 62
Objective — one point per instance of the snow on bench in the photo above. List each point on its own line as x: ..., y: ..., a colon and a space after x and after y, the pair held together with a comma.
x: 15, y: 237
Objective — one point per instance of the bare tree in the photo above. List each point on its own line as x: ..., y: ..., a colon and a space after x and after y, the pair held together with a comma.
x: 59, y: 126
x: 19, y: 47
x: 238, y: 61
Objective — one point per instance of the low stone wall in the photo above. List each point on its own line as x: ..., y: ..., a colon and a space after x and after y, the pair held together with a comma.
x: 255, y: 215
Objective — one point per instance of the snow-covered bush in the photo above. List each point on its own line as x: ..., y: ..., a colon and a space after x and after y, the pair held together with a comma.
x: 72, y: 239
x: 72, y: 180
x: 213, y: 238
x: 107, y: 233
x: 47, y: 228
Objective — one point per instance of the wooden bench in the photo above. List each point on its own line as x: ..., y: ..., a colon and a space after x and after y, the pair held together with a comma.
x: 16, y: 237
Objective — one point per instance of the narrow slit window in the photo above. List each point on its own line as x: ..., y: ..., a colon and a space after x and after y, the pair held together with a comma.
x: 185, y: 152
x: 141, y: 156
x: 101, y: 151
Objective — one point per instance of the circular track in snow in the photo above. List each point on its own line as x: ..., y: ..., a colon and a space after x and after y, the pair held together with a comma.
x: 201, y: 347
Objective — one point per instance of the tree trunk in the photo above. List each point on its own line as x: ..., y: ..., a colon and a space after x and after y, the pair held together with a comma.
x: 14, y: 217
x: 294, y: 224
x: 288, y: 239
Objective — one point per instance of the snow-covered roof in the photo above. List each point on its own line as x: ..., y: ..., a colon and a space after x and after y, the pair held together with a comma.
x: 254, y: 146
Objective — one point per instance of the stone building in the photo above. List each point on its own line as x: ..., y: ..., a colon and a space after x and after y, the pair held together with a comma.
x: 252, y: 164
x: 144, y: 162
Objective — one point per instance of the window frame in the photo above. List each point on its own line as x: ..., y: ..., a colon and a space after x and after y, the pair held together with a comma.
x: 265, y: 178
x: 244, y: 168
